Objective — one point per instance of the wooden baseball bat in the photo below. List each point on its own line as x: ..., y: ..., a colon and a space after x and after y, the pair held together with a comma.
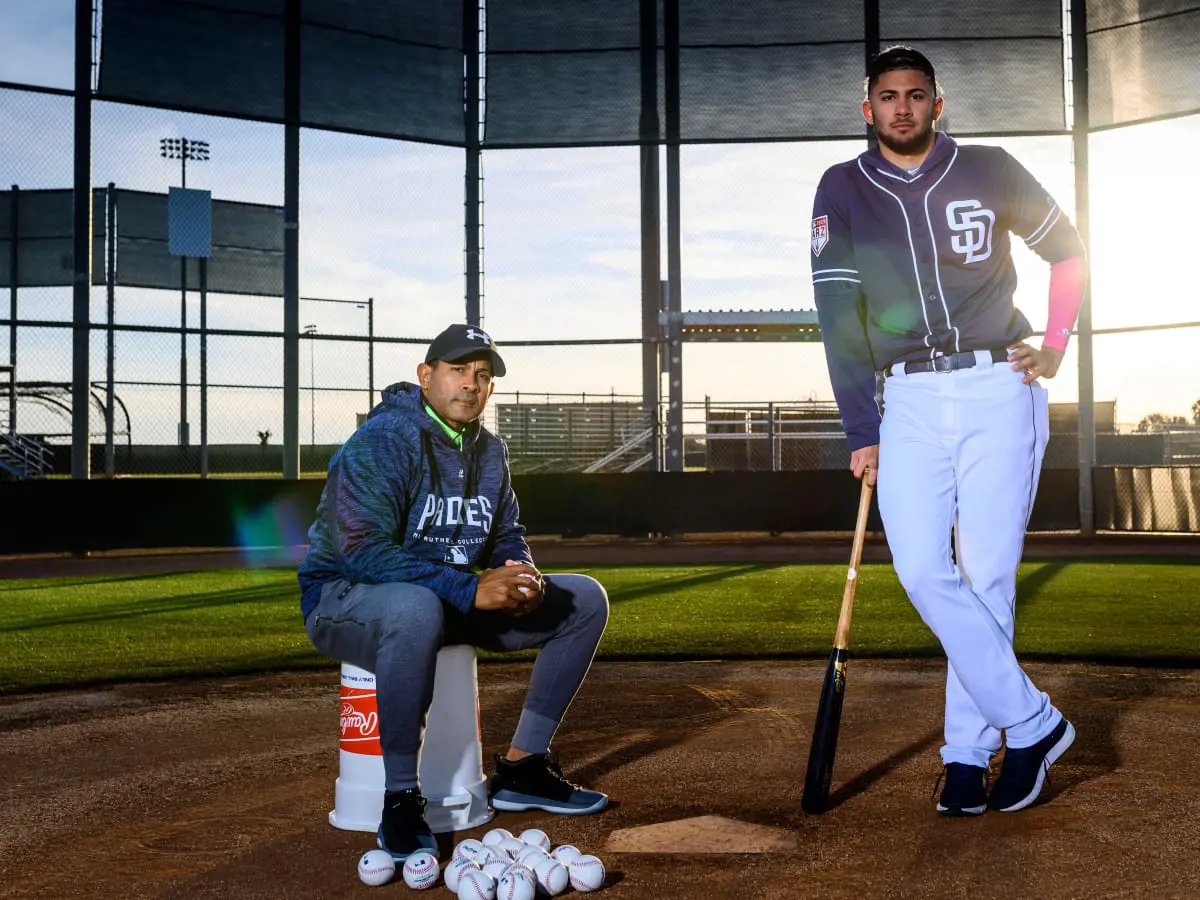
x: 829, y: 711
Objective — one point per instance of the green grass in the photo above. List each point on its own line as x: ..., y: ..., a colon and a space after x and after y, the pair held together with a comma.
x: 71, y: 631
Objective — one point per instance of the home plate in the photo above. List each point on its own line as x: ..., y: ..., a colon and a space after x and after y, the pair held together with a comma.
x: 703, y: 834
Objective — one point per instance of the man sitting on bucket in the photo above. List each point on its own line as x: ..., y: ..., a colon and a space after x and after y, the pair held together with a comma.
x: 416, y: 545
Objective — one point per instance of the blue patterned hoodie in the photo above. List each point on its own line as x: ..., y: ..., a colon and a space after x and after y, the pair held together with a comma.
x: 402, y: 503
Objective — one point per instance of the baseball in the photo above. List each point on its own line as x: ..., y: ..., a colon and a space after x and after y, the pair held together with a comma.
x: 551, y: 876
x: 587, y: 873
x: 511, y: 846
x: 518, y: 883
x: 421, y: 871
x: 536, y: 837
x: 496, y: 867
x: 486, y: 855
x: 376, y: 867
x: 496, y: 836
x: 468, y: 848
x: 474, y: 884
x: 529, y: 855
x: 564, y: 853
x: 455, y: 869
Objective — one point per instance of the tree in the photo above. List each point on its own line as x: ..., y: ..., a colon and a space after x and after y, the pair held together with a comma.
x: 1196, y: 413
x: 1156, y: 422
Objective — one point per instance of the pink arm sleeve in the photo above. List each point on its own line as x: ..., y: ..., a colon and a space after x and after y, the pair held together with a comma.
x: 1067, y: 281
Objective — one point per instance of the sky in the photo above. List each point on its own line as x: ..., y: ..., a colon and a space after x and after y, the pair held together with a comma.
x: 383, y: 219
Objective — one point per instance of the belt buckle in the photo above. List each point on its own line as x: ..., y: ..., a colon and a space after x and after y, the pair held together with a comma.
x: 943, y: 364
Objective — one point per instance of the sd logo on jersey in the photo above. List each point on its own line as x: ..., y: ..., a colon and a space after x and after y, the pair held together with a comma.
x: 972, y: 225
x: 820, y: 234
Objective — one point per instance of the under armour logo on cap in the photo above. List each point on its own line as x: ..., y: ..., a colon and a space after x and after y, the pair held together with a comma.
x: 459, y: 343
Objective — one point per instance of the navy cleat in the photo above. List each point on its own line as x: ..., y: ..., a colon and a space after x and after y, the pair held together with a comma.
x: 536, y: 782
x: 403, y: 830
x: 964, y: 790
x: 1024, y: 770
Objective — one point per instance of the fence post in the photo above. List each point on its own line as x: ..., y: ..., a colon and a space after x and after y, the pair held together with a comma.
x: 774, y: 437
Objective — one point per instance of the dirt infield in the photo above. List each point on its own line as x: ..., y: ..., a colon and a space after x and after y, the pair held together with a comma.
x: 221, y: 788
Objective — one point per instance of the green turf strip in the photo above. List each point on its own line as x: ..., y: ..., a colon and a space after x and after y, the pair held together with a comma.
x: 71, y: 631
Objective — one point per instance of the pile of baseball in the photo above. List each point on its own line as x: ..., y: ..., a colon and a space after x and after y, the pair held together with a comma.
x: 499, y: 867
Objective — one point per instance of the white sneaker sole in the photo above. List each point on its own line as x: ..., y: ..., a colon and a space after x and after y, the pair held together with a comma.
x: 961, y: 811
x: 546, y: 806
x: 1052, y: 756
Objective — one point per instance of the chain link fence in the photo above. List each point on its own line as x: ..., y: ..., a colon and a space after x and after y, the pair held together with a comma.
x: 186, y: 385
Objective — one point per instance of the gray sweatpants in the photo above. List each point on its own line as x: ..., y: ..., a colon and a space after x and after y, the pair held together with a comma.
x: 396, y: 630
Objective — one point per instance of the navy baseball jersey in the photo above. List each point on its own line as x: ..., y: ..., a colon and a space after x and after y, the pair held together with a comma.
x: 910, y: 266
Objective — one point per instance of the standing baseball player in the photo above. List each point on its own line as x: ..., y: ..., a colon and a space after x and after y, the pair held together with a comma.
x: 914, y: 286
x: 416, y: 544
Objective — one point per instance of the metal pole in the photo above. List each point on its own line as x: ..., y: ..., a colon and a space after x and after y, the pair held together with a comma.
x: 370, y: 353
x: 674, y: 266
x: 184, y: 437
x: 870, y: 45
x: 81, y: 449
x: 771, y: 435
x: 651, y: 219
x: 291, y: 242
x: 473, y: 183
x: 14, y: 263
x: 183, y: 376
x: 203, y: 367
x: 708, y: 431
x: 312, y: 394
x: 1079, y: 133
x: 110, y: 280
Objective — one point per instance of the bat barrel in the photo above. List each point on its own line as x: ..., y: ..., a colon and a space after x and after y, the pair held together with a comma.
x: 825, y: 735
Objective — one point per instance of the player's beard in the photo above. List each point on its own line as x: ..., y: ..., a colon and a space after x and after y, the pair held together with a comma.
x: 916, y: 142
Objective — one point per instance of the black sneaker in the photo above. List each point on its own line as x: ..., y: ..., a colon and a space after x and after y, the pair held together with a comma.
x: 964, y: 791
x: 1024, y: 769
x: 403, y: 830
x: 536, y: 782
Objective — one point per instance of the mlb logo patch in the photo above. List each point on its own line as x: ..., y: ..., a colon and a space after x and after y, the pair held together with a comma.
x: 820, y: 234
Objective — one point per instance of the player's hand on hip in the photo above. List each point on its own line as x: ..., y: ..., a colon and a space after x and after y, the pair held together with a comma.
x: 1041, y: 363
x: 865, y: 459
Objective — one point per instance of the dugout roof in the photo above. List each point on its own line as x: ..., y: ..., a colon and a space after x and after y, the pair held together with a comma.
x: 570, y: 72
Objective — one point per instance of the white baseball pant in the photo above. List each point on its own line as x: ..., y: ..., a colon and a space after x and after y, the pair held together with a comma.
x: 967, y: 445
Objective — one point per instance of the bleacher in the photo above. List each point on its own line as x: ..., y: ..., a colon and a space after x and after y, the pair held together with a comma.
x: 576, y: 437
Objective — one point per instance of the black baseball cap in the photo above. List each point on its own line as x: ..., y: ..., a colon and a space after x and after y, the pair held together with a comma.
x: 462, y: 342
x: 899, y: 57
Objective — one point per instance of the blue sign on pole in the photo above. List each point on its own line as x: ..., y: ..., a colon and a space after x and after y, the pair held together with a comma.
x: 189, y: 222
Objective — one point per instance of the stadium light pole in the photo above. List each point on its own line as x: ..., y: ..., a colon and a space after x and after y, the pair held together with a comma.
x: 183, y: 149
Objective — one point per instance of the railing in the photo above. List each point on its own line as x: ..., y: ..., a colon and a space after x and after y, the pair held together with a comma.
x: 22, y: 457
x: 573, y: 432
x: 611, y: 433
x: 1182, y: 445
x: 641, y: 439
x: 763, y: 437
